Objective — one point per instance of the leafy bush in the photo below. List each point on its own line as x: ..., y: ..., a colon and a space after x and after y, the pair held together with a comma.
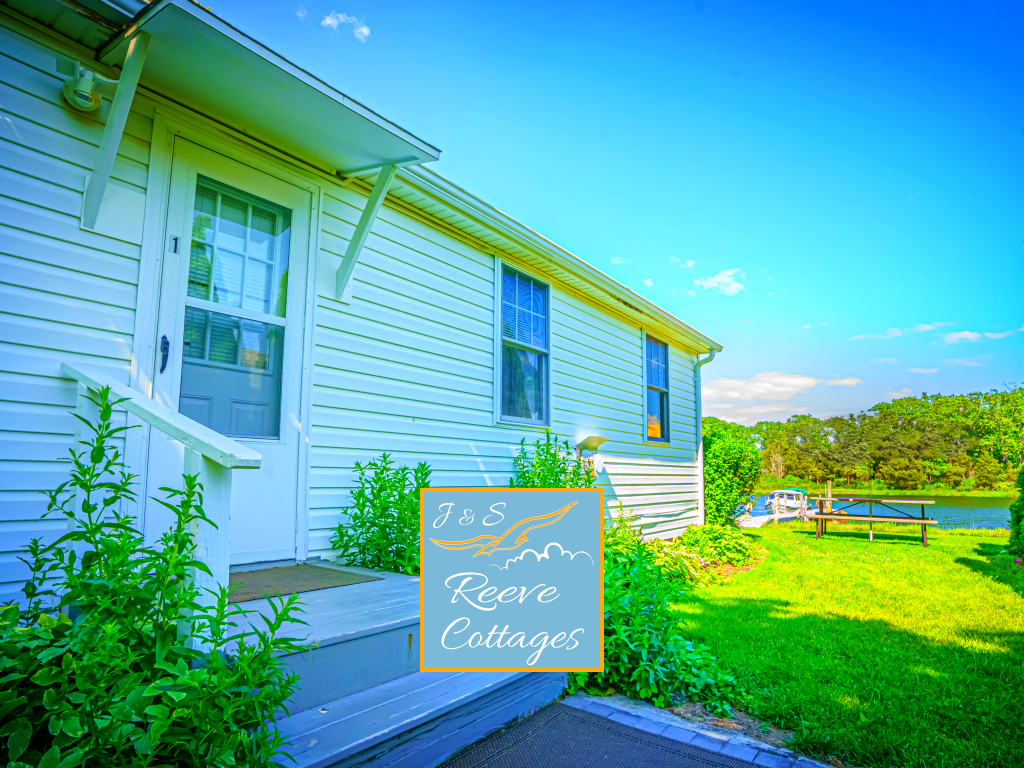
x: 552, y: 465
x: 383, y: 529
x: 123, y: 683
x: 646, y: 655
x: 717, y: 544
x: 732, y: 468
x: 1016, y: 544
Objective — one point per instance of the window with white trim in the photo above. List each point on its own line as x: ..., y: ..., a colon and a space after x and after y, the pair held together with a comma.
x: 525, y: 320
x: 656, y: 360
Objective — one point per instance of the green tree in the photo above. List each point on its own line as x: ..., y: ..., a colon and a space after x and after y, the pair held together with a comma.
x: 732, y: 468
x: 988, y: 472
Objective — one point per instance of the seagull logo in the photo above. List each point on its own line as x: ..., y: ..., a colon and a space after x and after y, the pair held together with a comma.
x: 515, y: 536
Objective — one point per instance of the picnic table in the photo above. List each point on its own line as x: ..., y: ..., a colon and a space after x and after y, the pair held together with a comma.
x: 822, y: 518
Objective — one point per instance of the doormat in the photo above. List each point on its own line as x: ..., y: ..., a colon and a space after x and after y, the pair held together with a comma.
x: 571, y: 738
x: 258, y: 584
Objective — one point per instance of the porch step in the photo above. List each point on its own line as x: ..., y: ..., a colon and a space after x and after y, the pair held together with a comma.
x: 365, y: 634
x: 415, y: 721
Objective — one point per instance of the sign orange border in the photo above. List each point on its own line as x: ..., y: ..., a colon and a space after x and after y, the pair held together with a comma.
x: 480, y: 489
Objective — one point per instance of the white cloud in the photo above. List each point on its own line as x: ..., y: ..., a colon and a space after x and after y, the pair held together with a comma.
x: 958, y: 336
x: 616, y: 260
x: 824, y: 322
x: 750, y: 414
x: 723, y: 281
x: 648, y: 282
x: 302, y: 12
x: 545, y: 555
x: 673, y: 259
x: 688, y: 264
x: 884, y: 360
x: 964, y: 361
x: 849, y: 381
x: 335, y: 19
x: 905, y: 392
x: 923, y: 370
x: 692, y: 293
x: 767, y: 385
x: 892, y: 333
x: 1002, y: 335
x: 805, y: 327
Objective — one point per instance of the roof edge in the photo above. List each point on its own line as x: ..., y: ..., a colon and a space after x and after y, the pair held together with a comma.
x: 465, y: 202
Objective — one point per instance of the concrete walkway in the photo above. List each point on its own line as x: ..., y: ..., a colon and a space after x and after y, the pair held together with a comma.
x: 640, y: 714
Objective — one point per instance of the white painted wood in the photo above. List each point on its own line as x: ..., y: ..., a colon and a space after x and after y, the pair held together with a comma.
x: 366, y: 219
x: 264, y: 526
x: 116, y: 119
x: 213, y: 445
x: 212, y: 541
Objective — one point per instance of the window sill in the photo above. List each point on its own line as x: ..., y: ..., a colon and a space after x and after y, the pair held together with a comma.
x: 521, y: 424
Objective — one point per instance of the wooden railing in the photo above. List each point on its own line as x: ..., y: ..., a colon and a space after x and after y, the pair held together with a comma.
x: 208, y: 453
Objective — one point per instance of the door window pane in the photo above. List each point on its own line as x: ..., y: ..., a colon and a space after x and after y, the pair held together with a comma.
x: 523, y: 384
x: 239, y: 254
x: 231, y: 374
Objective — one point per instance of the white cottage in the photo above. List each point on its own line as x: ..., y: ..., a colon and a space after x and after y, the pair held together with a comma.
x: 273, y: 275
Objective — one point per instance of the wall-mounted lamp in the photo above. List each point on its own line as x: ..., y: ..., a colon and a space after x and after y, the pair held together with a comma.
x: 83, y: 88
x: 588, y: 449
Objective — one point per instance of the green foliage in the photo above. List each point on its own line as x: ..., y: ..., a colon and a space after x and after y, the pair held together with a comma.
x: 931, y: 442
x: 718, y: 544
x: 646, y: 654
x: 1016, y: 545
x: 383, y: 529
x: 732, y: 468
x: 123, y: 683
x: 877, y: 653
x: 552, y: 465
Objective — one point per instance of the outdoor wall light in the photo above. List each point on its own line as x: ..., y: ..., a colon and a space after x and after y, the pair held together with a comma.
x: 588, y: 449
x: 83, y: 88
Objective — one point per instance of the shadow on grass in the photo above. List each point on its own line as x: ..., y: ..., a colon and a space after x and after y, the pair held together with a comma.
x: 836, y: 530
x: 868, y: 692
x: 993, y: 563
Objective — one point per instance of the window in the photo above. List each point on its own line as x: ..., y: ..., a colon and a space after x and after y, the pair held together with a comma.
x: 657, y: 390
x: 232, y: 352
x: 524, y: 348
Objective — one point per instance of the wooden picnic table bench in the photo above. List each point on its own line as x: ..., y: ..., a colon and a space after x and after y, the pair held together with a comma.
x: 821, y: 518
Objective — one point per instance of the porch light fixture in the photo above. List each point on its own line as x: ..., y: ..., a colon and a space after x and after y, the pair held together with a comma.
x: 588, y: 450
x: 83, y: 88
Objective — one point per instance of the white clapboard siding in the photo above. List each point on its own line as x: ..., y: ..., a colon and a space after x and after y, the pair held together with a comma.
x: 408, y: 368
x: 65, y: 294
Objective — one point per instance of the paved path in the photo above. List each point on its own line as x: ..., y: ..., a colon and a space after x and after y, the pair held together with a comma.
x: 640, y: 714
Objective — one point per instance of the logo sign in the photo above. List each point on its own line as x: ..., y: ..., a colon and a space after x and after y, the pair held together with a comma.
x: 511, y: 580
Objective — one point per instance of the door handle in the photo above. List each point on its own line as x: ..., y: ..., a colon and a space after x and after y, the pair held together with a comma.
x: 165, y: 348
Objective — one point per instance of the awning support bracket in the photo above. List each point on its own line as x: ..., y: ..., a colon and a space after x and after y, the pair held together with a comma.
x: 114, y: 129
x: 366, y: 220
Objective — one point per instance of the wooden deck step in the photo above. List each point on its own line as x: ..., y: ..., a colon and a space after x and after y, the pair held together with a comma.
x: 365, y: 634
x: 416, y: 720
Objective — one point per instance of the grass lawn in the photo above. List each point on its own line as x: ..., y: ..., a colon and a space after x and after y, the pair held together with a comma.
x: 879, y: 653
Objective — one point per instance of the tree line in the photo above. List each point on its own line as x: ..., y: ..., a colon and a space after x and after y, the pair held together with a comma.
x: 964, y: 442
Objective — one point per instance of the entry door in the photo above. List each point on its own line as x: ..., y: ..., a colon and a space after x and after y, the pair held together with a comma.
x: 231, y: 311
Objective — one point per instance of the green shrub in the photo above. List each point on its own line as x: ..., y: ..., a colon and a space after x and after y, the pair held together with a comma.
x: 646, y: 655
x: 124, y: 684
x: 383, y: 529
x: 732, y: 468
x: 718, y: 544
x: 552, y: 465
x: 1016, y: 544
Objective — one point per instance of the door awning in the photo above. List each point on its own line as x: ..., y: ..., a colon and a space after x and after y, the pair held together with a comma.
x: 202, y: 62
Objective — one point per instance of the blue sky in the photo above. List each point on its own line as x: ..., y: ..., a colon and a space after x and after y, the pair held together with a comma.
x: 833, y: 191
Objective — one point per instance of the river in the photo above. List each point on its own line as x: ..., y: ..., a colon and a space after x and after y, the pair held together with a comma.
x: 951, y: 511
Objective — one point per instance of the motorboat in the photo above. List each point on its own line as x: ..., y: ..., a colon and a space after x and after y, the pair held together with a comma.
x: 786, y: 500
